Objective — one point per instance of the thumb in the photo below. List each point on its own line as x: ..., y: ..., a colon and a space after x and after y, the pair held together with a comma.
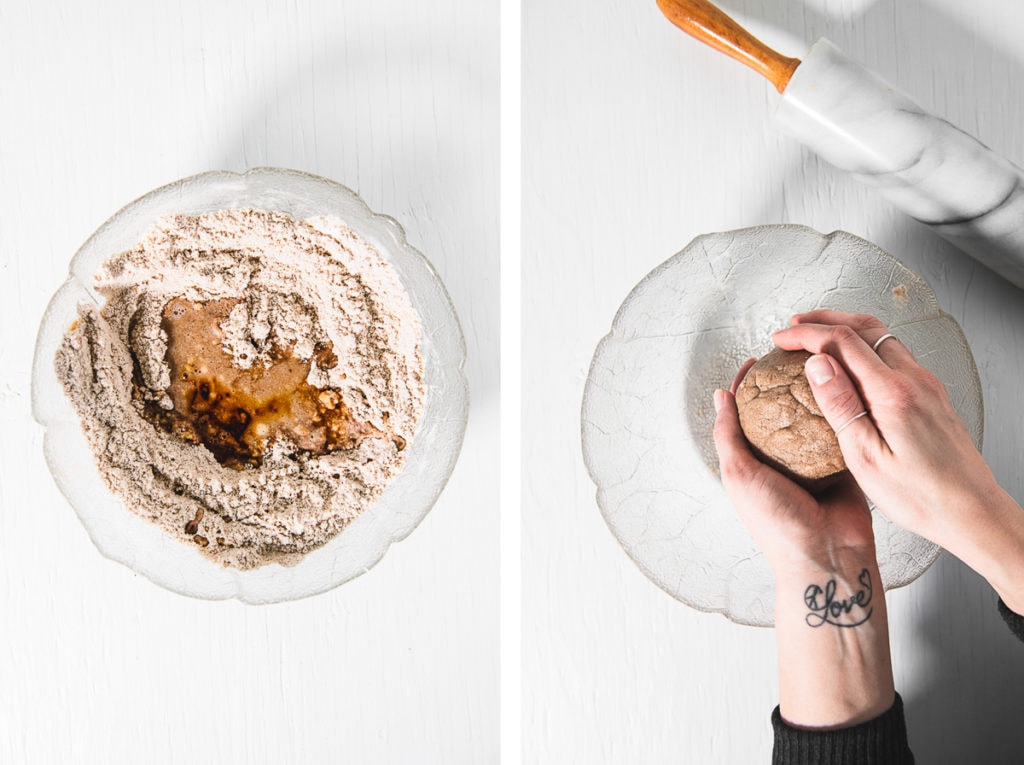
x: 841, y: 404
x: 735, y: 460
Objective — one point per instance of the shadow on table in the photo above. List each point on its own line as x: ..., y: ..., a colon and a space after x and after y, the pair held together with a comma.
x: 953, y: 716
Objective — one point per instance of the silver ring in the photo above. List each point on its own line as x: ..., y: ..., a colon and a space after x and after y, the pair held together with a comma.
x: 881, y: 340
x: 846, y: 424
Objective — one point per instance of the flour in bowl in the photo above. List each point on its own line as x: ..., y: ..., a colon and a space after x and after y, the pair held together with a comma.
x: 250, y: 382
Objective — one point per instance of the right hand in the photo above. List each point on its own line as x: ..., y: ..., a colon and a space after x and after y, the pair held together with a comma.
x: 912, y: 454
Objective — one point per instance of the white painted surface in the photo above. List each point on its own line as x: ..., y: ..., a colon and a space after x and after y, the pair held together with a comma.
x: 396, y: 99
x: 636, y: 139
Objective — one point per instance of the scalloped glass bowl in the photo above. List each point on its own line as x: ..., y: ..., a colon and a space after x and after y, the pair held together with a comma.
x: 681, y: 333
x: 125, y: 537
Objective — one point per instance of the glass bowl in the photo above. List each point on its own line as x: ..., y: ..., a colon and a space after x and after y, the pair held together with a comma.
x: 139, y: 544
x: 684, y: 331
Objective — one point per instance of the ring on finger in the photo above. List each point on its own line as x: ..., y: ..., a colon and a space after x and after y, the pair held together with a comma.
x: 850, y: 421
x: 882, y: 339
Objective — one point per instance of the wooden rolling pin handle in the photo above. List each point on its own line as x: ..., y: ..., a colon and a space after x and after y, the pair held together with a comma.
x: 710, y: 25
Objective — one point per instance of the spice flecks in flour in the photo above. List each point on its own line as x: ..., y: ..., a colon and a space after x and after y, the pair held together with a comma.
x: 307, y: 380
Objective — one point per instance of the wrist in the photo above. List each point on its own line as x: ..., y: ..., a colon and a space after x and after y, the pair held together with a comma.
x: 793, y: 565
x: 835, y: 668
x: 843, y: 596
x: 987, y: 534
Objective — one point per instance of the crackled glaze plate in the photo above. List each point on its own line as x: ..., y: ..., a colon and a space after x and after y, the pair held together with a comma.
x: 684, y: 331
x: 142, y: 546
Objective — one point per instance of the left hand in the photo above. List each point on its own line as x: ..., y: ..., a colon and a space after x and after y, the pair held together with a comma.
x: 813, y: 541
x: 791, y: 526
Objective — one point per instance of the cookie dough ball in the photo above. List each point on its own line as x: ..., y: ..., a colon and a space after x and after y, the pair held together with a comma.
x: 783, y: 423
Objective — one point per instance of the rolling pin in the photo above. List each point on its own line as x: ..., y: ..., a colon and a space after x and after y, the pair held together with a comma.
x: 933, y: 171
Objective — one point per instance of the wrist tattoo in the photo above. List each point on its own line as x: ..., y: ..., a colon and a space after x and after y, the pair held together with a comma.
x: 825, y: 609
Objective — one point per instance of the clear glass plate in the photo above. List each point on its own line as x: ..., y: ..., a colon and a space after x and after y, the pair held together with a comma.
x: 684, y: 331
x: 125, y: 537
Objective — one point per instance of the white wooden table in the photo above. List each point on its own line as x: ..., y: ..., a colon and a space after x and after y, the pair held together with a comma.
x: 396, y: 99
x: 635, y: 140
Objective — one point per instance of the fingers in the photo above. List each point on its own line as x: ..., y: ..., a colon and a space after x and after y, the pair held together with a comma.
x: 893, y: 352
x: 734, y: 456
x: 842, y: 343
x: 827, y: 316
x: 842, y: 406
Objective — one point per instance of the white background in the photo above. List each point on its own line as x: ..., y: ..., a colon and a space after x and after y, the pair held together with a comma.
x: 635, y: 140
x: 396, y: 99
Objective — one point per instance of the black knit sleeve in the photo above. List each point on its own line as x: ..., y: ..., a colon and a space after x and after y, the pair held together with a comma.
x: 881, y: 741
x: 1013, y: 620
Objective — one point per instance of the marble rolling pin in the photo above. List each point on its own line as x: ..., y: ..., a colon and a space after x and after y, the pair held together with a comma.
x: 933, y: 171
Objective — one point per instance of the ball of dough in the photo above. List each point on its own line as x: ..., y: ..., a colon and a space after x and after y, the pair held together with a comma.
x: 782, y: 421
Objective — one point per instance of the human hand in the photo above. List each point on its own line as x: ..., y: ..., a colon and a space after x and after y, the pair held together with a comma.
x: 790, y: 525
x: 830, y: 611
x: 911, y: 453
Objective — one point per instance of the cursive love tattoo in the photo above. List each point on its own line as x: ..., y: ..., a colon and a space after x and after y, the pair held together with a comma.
x: 825, y: 609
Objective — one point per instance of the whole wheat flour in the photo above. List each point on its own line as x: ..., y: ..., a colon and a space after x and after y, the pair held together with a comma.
x: 250, y: 382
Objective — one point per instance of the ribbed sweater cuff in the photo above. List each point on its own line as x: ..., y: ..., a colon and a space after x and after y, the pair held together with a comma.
x: 881, y: 741
x: 1013, y: 620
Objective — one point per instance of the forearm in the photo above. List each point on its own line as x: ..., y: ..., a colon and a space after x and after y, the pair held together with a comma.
x: 988, y: 535
x: 835, y: 668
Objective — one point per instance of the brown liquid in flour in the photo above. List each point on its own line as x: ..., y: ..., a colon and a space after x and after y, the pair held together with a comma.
x: 237, y: 413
